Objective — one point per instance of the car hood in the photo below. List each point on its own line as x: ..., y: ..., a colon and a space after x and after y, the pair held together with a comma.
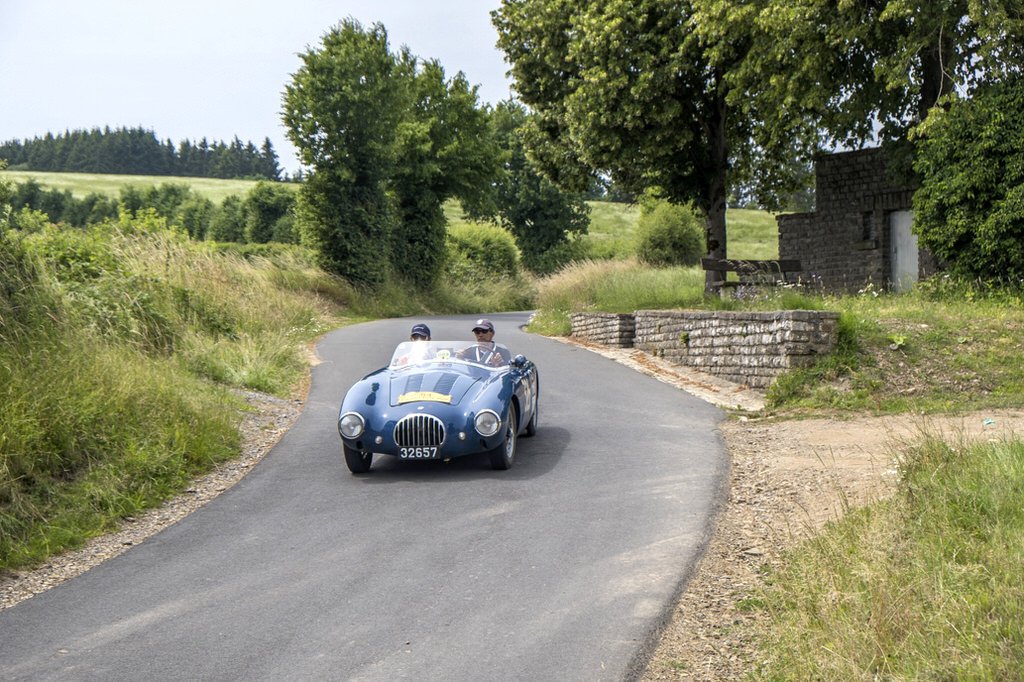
x: 443, y: 386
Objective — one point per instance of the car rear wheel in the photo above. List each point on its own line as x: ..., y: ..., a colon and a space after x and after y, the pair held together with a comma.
x: 502, y: 456
x: 358, y: 462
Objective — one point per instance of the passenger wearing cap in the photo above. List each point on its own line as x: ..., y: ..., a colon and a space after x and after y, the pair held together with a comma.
x: 420, y: 332
x: 485, y: 351
x: 418, y: 353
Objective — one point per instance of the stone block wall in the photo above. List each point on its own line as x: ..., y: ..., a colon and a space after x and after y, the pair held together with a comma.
x: 844, y: 244
x: 750, y: 348
x: 608, y: 329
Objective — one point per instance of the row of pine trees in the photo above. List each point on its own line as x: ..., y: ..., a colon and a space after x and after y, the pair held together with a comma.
x: 136, y: 151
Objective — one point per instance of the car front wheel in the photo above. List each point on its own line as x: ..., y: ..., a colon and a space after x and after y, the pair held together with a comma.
x: 358, y: 462
x: 531, y: 428
x: 502, y: 456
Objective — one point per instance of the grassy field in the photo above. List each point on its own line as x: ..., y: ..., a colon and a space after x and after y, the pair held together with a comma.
x: 83, y: 184
x: 751, y: 234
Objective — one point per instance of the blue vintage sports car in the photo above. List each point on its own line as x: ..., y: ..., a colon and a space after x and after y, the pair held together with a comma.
x: 439, y: 400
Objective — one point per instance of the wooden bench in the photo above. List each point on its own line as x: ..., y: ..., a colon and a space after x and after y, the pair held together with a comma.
x: 749, y: 271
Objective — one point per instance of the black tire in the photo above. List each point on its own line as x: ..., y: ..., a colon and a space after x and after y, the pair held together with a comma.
x: 531, y: 428
x: 502, y: 456
x: 358, y: 462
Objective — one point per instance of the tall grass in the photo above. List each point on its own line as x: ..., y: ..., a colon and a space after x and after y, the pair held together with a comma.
x: 946, y: 346
x: 119, y: 347
x: 926, y: 585
x: 91, y: 433
x: 612, y: 286
x: 627, y: 285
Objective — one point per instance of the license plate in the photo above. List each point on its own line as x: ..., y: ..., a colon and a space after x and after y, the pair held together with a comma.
x: 417, y: 453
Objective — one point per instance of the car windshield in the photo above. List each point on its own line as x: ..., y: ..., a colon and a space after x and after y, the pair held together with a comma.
x: 414, y: 353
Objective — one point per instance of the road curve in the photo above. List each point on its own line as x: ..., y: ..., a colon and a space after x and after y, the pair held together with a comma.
x: 562, y: 568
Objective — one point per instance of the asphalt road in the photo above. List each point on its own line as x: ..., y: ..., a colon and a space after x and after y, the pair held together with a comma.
x: 562, y: 568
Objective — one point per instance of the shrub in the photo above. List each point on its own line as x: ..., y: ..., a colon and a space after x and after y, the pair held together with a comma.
x: 969, y: 210
x: 669, y: 234
x: 267, y: 209
x: 228, y: 222
x: 195, y: 215
x: 480, y: 251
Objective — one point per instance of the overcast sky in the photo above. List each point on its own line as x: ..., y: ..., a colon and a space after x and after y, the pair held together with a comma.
x: 188, y: 69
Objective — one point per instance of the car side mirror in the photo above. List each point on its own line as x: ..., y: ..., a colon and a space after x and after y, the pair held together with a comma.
x: 519, y: 361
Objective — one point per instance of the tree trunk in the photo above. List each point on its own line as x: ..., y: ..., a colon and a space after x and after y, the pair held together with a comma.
x: 716, y: 191
x: 936, y: 81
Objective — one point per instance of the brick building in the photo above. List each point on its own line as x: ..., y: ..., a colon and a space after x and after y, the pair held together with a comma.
x: 859, y: 233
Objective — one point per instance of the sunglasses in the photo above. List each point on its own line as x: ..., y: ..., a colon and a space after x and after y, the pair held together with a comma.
x: 481, y: 331
x: 418, y: 336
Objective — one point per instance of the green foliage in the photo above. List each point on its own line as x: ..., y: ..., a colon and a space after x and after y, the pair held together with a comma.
x: 61, y: 205
x: 669, y: 234
x: 195, y: 215
x: 345, y: 228
x: 343, y: 111
x: 389, y: 140
x: 268, y: 209
x: 479, y: 252
x: 447, y: 151
x: 6, y: 195
x: 135, y: 151
x: 635, y: 91
x: 860, y: 71
x: 266, y: 213
x: 228, y: 223
x: 111, y: 339
x: 541, y: 217
x: 165, y: 198
x: 969, y: 210
x: 481, y: 272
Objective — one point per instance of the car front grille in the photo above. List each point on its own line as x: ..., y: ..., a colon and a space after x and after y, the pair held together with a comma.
x: 419, y: 431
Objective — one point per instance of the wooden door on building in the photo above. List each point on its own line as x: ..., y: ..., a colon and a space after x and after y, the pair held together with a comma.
x: 902, y: 251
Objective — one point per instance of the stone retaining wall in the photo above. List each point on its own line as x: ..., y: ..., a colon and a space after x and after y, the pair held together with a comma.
x: 615, y: 330
x: 748, y: 348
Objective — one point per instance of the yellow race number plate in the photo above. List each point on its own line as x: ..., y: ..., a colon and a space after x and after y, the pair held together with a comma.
x: 417, y: 396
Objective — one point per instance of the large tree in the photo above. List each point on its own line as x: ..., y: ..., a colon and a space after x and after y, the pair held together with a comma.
x: 631, y: 89
x: 447, y: 151
x: 388, y: 139
x: 869, y: 71
x: 342, y: 110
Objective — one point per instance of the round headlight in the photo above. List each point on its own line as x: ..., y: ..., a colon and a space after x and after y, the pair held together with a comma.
x: 351, y: 425
x: 487, y: 423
